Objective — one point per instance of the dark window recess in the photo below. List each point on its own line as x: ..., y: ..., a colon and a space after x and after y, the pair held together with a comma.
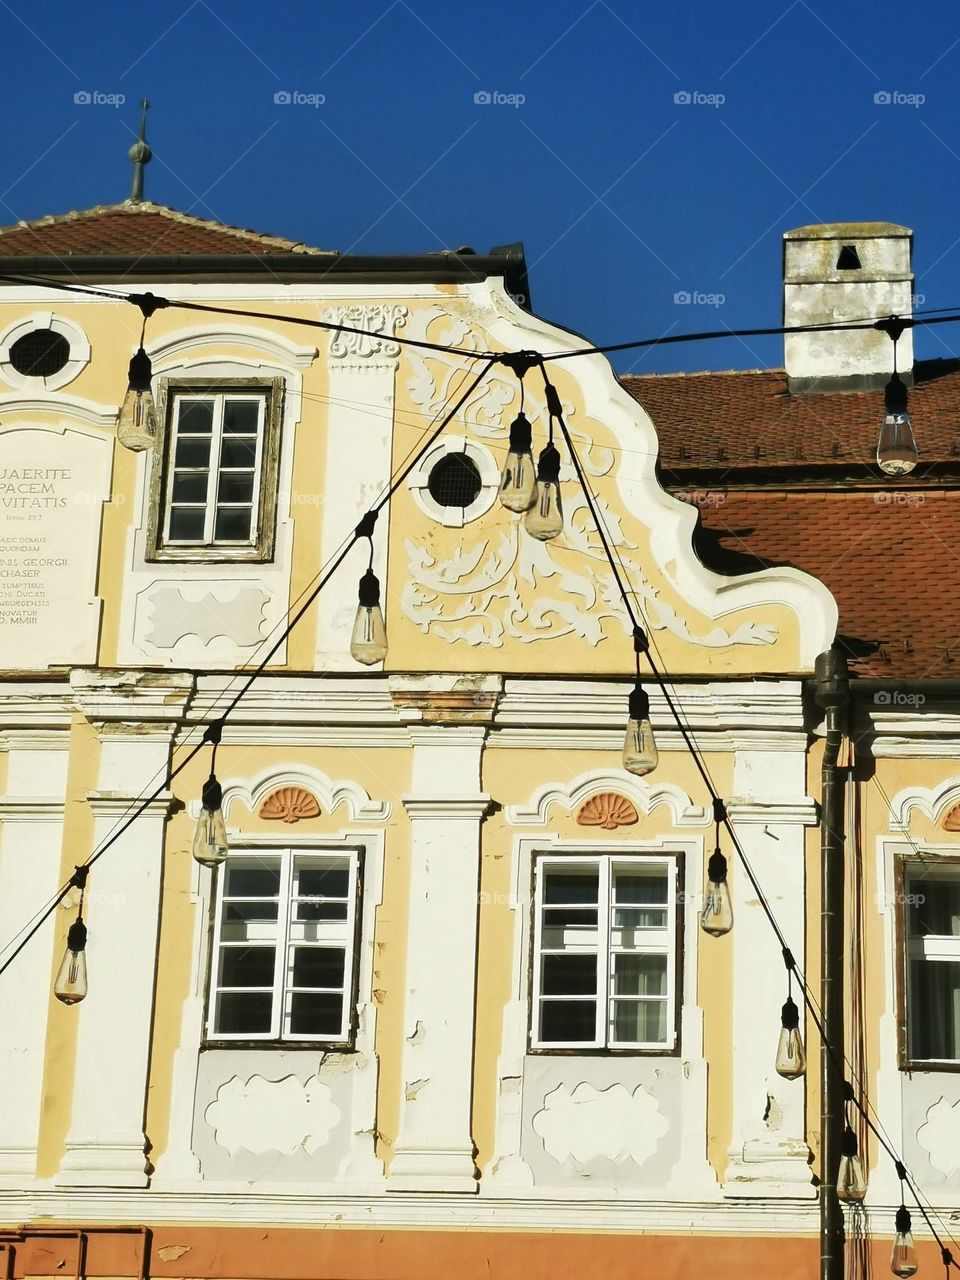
x: 454, y: 481
x: 849, y: 259
x: 40, y: 353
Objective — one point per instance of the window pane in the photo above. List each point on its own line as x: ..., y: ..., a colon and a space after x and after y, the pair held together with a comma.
x: 654, y: 918
x: 241, y: 417
x: 319, y: 966
x: 237, y: 453
x: 331, y: 881
x: 568, y: 1020
x: 195, y: 417
x: 247, y: 966
x: 192, y: 453
x: 243, y: 1013
x: 189, y: 486
x: 640, y: 887
x: 934, y: 904
x: 640, y: 1021
x: 186, y: 524
x: 252, y: 878
x: 232, y: 524
x: 315, y: 1015
x: 235, y: 486
x: 570, y: 886
x: 934, y: 1004
x: 640, y: 975
x: 570, y: 975
x: 249, y: 922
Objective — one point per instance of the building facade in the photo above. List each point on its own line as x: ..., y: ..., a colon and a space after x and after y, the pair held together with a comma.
x: 446, y: 1008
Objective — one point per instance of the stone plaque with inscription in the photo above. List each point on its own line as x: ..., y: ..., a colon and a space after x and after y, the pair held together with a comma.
x: 53, y: 483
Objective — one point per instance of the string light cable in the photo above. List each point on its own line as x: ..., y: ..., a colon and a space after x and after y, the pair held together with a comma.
x: 213, y: 730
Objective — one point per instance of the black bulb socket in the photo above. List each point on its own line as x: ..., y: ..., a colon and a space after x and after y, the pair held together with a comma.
x: 848, y: 1144
x: 639, y: 706
x: 548, y: 465
x: 790, y: 1015
x: 521, y: 434
x: 140, y: 373
x: 717, y: 867
x: 369, y: 592
x: 895, y: 396
x: 77, y: 936
x: 211, y: 797
x: 902, y: 1220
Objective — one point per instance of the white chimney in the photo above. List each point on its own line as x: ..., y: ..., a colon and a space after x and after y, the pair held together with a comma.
x: 844, y: 271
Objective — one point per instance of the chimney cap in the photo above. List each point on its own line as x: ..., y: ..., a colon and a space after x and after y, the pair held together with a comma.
x: 850, y: 231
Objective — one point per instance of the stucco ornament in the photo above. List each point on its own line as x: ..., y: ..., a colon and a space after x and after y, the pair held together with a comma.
x: 283, y: 1116
x: 589, y: 1123
x: 607, y: 810
x: 939, y: 1136
x: 290, y: 804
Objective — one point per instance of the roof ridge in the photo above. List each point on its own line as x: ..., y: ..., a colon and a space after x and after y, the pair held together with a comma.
x: 134, y: 207
x: 698, y: 373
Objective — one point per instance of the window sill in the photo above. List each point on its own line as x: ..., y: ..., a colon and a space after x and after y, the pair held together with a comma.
x: 325, y: 1046
x: 592, y: 1051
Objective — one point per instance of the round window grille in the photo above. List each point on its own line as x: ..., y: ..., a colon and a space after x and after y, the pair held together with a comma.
x: 454, y: 481
x: 40, y: 353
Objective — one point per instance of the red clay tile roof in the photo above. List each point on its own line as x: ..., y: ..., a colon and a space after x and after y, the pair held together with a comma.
x: 131, y: 230
x: 748, y: 419
x: 890, y: 557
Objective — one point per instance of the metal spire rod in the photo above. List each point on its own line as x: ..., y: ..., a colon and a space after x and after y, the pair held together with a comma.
x: 140, y: 155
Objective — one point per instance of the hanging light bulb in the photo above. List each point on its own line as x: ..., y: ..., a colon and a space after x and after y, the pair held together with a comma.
x: 137, y: 420
x: 640, y: 755
x: 518, y: 479
x: 716, y: 918
x: 897, y: 452
x: 903, y: 1256
x: 544, y: 520
x: 791, y: 1058
x: 851, y: 1180
x: 70, y: 984
x: 368, y: 644
x: 210, y: 838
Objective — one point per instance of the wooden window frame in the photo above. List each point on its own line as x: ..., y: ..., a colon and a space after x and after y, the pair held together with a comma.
x: 904, y: 864
x: 261, y: 546
x: 282, y: 989
x: 673, y: 934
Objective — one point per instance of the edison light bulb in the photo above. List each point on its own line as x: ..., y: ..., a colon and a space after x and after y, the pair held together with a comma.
x: 210, y: 839
x: 544, y: 520
x: 137, y: 420
x: 851, y: 1180
x: 518, y: 479
x: 897, y: 452
x: 903, y: 1257
x: 716, y: 918
x: 791, y: 1058
x: 70, y: 984
x: 640, y: 755
x: 368, y: 644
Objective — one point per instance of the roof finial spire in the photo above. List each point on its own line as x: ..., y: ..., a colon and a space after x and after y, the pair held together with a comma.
x: 140, y: 154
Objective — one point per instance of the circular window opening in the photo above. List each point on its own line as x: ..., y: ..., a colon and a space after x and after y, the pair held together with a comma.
x: 40, y: 353
x: 454, y: 481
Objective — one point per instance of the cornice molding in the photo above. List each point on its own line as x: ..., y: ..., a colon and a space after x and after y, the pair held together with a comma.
x: 447, y: 808
x: 131, y: 696
x: 792, y: 811
x: 117, y: 804
x: 31, y: 808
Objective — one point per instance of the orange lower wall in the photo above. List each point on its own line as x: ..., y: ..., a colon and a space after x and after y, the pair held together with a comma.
x: 333, y: 1253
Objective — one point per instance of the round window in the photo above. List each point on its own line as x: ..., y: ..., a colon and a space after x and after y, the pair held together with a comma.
x: 40, y: 353
x: 454, y: 481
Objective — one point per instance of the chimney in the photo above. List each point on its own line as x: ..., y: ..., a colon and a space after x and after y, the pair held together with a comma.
x: 844, y: 271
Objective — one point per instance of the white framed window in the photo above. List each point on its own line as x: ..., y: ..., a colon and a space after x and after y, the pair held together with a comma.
x: 214, y: 491
x: 283, y: 962
x: 930, y: 915
x: 605, y: 952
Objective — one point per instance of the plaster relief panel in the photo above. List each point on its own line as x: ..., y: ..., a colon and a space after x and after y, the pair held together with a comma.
x: 179, y: 612
x: 282, y: 1116
x: 613, y: 1123
x: 931, y: 1128
x: 53, y: 484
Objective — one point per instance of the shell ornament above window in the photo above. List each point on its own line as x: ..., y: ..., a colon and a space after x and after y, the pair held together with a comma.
x: 607, y: 810
x: 290, y: 804
x: 952, y: 821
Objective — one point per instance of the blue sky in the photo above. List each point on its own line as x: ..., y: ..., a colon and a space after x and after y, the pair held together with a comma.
x: 639, y: 151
